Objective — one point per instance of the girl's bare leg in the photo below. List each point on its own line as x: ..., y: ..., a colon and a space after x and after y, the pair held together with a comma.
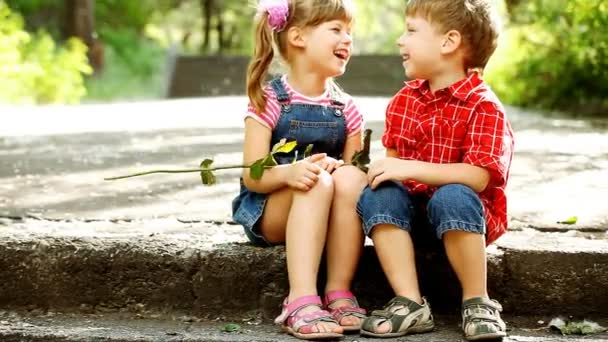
x: 345, y: 237
x: 300, y: 219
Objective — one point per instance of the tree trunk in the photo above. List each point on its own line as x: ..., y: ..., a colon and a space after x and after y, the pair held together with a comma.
x: 207, y: 9
x: 220, y: 31
x: 80, y: 22
x: 511, y: 5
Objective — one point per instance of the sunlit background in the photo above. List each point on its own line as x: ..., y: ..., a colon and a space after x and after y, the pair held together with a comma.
x: 553, y: 54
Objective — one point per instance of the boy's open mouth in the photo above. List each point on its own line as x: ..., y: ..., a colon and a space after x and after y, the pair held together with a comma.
x: 405, y: 57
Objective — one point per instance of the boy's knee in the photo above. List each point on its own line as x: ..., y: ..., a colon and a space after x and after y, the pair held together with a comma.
x: 456, y: 207
x: 454, y: 195
x: 388, y: 196
x: 389, y: 203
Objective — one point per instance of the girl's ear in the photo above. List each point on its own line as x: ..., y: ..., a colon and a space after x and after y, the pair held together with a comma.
x: 296, y: 37
x: 452, y: 40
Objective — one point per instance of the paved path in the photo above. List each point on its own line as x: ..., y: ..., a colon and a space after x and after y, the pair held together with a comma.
x: 54, y: 160
x: 118, y: 328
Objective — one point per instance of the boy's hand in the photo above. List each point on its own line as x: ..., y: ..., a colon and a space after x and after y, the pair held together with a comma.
x: 389, y: 169
x: 329, y: 164
x: 304, y: 174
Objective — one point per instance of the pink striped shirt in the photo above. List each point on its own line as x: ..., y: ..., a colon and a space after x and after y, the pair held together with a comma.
x: 270, y: 116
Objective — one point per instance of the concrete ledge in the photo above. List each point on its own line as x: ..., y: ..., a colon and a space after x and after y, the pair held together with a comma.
x: 181, y: 271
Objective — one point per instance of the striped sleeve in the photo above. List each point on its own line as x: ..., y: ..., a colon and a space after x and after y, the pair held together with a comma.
x: 353, y: 117
x: 270, y: 115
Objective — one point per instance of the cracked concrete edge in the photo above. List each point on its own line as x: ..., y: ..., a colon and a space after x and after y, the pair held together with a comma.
x: 183, y: 272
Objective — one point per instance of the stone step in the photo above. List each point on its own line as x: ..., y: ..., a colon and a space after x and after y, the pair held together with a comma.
x: 207, y: 268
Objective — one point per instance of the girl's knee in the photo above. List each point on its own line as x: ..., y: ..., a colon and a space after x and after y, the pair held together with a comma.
x: 324, y: 187
x: 349, y: 181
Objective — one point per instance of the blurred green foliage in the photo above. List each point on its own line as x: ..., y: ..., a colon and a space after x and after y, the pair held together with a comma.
x: 553, y: 53
x: 134, y: 69
x: 554, y: 56
x: 34, y: 69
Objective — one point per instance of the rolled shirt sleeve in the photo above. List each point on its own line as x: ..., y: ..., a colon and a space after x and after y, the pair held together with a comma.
x: 489, y: 142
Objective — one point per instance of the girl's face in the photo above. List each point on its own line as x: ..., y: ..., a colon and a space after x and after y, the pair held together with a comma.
x: 420, y: 47
x: 328, y: 47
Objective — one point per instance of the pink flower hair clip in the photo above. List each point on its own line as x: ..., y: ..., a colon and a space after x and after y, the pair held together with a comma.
x: 278, y: 11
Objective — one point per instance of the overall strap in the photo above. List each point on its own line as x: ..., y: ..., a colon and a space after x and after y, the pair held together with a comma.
x: 280, y: 91
x: 336, y: 98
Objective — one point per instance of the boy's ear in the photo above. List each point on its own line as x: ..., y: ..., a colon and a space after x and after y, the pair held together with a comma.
x: 296, y: 36
x: 452, y: 40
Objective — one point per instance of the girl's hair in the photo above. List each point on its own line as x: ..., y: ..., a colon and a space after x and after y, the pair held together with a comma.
x: 476, y: 21
x: 302, y: 13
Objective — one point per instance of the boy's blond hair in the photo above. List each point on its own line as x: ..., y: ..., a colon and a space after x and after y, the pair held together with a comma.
x: 476, y: 21
x: 302, y: 13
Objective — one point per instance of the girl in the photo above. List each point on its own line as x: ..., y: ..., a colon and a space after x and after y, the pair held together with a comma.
x: 310, y: 203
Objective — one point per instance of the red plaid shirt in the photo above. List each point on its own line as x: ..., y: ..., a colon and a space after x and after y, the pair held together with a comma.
x: 464, y: 123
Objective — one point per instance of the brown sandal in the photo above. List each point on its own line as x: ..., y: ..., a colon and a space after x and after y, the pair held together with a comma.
x: 412, y: 319
x: 481, y: 319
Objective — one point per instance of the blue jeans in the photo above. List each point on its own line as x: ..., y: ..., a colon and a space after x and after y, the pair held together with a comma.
x: 451, y: 207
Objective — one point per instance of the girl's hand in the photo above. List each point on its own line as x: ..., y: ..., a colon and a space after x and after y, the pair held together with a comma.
x: 390, y: 169
x: 329, y: 164
x: 304, y: 174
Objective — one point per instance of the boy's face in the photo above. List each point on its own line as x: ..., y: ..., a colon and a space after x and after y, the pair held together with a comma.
x: 420, y: 47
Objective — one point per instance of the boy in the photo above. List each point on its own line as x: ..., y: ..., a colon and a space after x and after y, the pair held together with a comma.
x: 449, y: 149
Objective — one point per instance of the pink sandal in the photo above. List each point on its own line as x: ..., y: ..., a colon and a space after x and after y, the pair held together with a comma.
x: 301, y: 326
x: 353, y: 310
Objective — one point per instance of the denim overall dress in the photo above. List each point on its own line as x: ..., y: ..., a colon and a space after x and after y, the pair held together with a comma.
x: 322, y: 126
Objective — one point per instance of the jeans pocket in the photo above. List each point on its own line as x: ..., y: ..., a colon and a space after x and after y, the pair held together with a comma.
x: 311, y: 132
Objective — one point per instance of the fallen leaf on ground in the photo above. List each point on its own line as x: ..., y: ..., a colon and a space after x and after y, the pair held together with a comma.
x: 584, y: 327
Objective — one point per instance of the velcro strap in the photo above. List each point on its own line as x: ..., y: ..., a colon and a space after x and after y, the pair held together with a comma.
x: 298, y: 321
x: 290, y: 309
x: 383, y: 314
x: 340, y: 312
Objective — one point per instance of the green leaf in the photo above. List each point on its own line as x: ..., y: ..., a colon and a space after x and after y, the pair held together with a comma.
x: 207, y: 176
x: 269, y: 161
x: 584, y: 327
x: 570, y: 220
x: 361, y: 159
x: 284, y: 147
x: 308, y: 151
x: 257, y: 169
x: 231, y: 327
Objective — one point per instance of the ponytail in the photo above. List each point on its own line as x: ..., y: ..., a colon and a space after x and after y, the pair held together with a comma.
x: 259, y: 64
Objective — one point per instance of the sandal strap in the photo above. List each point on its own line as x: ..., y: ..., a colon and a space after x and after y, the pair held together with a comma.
x: 387, y: 314
x: 481, y: 310
x: 332, y: 296
x: 346, y: 310
x: 291, y: 308
x: 378, y: 317
x: 298, y: 321
x: 481, y: 316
